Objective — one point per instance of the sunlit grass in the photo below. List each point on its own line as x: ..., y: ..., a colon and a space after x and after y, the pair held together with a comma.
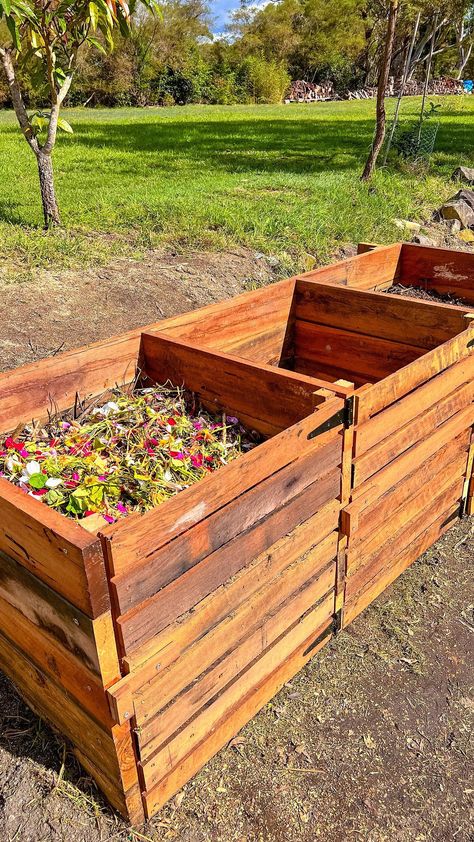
x: 283, y: 180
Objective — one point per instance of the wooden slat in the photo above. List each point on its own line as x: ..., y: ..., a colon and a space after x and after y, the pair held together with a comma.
x: 231, y: 723
x: 376, y: 486
x: 50, y: 701
x: 273, y: 399
x: 422, y: 512
x: 445, y: 270
x: 171, y: 644
x: 330, y: 373
x: 156, y: 731
x: 168, y: 758
x: 185, y: 551
x: 422, y: 324
x: 136, y: 538
x: 416, y: 430
x: 374, y: 587
x: 358, y: 524
x: 156, y: 613
x: 377, y: 397
x: 149, y: 689
x: 362, y: 271
x: 54, y: 548
x: 358, y: 356
x: 386, y: 423
x: 439, y: 483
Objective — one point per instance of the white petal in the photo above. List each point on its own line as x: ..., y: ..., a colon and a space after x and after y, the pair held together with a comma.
x: 53, y: 482
x: 32, y: 468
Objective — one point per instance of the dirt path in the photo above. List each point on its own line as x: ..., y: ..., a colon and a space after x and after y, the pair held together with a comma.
x: 371, y: 742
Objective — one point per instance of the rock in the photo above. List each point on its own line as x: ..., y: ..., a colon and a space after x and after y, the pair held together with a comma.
x: 423, y: 240
x: 464, y: 195
x: 467, y: 236
x: 454, y: 225
x: 406, y: 225
x: 464, y: 174
x: 460, y: 210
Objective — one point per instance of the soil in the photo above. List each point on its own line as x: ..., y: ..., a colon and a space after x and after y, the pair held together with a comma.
x: 372, y: 741
x: 62, y: 310
x: 426, y: 294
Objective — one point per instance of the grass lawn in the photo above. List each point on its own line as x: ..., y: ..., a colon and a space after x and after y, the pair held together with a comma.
x: 283, y: 180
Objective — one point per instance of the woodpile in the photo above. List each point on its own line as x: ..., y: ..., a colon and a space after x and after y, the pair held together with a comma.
x: 302, y: 91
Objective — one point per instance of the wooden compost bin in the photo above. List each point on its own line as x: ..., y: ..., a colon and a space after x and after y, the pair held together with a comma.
x: 445, y: 271
x: 151, y: 644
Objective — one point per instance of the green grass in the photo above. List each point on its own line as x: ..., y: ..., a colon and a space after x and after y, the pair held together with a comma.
x: 283, y: 180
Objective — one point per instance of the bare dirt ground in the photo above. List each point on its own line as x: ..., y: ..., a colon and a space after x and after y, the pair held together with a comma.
x: 372, y: 741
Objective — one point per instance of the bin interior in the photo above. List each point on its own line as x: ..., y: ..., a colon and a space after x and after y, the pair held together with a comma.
x: 338, y: 333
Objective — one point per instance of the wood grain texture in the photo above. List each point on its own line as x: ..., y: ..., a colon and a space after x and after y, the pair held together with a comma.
x: 186, y: 550
x: 444, y: 270
x: 149, y: 689
x: 415, y: 430
x: 389, y: 421
x: 362, y: 271
x: 172, y: 643
x: 138, y: 538
x: 153, y: 615
x: 156, y: 731
x: 56, y: 549
x: 395, y: 386
x: 422, y: 324
x: 174, y: 752
x: 359, y: 357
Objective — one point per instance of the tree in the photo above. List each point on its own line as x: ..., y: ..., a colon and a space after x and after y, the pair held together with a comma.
x: 46, y: 36
x: 384, y: 73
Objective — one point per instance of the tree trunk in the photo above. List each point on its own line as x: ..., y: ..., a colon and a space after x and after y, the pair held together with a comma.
x: 382, y: 84
x: 48, y: 195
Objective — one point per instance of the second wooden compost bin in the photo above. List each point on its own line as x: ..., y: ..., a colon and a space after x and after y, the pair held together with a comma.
x: 150, y: 644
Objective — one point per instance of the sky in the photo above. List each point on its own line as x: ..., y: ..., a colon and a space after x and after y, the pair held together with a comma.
x: 220, y: 10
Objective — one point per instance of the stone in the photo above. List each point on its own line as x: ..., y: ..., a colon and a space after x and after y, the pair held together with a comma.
x: 464, y: 195
x: 460, y: 210
x: 467, y: 236
x: 423, y: 240
x: 406, y: 225
x: 464, y: 174
x: 454, y: 225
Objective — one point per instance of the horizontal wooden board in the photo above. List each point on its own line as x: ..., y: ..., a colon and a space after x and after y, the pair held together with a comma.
x: 185, y: 551
x: 356, y: 603
x: 274, y: 398
x: 171, y: 644
x: 167, y: 758
x: 329, y: 372
x: 389, y: 421
x: 54, y: 548
x: 140, y: 537
x: 148, y: 691
x: 53, y: 704
x: 359, y: 356
x: 395, y: 386
x: 422, y: 324
x: 147, y: 619
x: 155, y: 731
x: 233, y: 721
x: 422, y: 513
x: 439, y: 483
x: 371, y: 490
x: 362, y: 271
x: 361, y: 524
x: 413, y: 431
x: 444, y: 270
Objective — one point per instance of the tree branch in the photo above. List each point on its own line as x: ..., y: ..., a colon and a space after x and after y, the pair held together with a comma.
x: 17, y: 99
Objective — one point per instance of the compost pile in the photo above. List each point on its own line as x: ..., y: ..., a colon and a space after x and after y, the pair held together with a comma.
x: 426, y: 294
x: 128, y: 454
